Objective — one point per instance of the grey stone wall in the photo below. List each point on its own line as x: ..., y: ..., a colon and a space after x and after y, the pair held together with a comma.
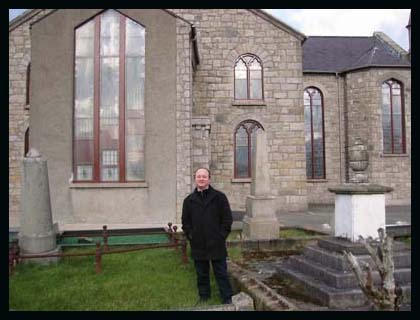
x: 332, y: 92
x: 201, y: 142
x: 223, y: 35
x: 356, y: 98
x: 206, y: 114
x: 364, y: 105
x: 19, y: 58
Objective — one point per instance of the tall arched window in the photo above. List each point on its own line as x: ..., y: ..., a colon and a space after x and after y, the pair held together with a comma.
x: 28, y: 84
x: 109, y: 99
x: 393, y: 126
x: 245, y: 135
x: 248, y: 78
x: 314, y: 133
x: 26, y: 143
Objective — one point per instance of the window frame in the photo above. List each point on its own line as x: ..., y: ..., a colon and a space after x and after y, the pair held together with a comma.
x: 235, y: 167
x: 403, y: 136
x: 312, y: 177
x: 96, y: 165
x: 248, y: 78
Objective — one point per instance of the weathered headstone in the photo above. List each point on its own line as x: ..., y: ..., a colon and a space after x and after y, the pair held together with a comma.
x: 260, y: 221
x: 36, y: 235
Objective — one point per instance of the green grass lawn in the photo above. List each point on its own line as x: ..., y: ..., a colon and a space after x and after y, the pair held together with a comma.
x: 152, y: 279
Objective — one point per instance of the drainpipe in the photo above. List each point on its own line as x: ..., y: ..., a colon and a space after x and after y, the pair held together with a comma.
x: 346, y: 130
x: 339, y: 126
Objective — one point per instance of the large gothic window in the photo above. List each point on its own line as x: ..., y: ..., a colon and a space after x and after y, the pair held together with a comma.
x: 393, y: 128
x: 109, y: 123
x: 245, y: 136
x: 248, y: 78
x: 314, y: 133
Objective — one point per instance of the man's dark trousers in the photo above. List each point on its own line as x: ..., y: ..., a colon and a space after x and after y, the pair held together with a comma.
x: 220, y: 272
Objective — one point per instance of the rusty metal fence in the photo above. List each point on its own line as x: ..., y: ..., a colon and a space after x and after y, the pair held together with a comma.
x: 176, y: 240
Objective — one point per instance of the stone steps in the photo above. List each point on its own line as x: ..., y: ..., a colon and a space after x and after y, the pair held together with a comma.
x: 326, y: 275
x: 323, y: 294
x: 339, y: 245
x: 341, y: 279
x: 339, y: 262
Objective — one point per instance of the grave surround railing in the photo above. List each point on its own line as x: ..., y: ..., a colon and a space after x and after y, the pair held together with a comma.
x: 177, y: 241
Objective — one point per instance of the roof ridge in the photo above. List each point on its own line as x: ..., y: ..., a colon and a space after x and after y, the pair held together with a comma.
x: 340, y: 36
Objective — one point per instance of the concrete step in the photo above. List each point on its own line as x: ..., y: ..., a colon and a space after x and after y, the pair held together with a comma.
x: 317, y: 291
x: 337, y: 261
x: 341, y: 279
x: 339, y: 245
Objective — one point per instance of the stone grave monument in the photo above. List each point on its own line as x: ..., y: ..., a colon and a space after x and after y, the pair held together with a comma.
x: 322, y: 269
x: 260, y: 221
x: 359, y: 205
x: 36, y: 234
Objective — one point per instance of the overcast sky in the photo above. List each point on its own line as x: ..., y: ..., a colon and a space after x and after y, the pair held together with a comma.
x: 337, y: 22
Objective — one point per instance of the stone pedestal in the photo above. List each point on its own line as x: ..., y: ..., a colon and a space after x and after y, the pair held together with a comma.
x: 36, y: 235
x: 359, y: 210
x: 260, y: 221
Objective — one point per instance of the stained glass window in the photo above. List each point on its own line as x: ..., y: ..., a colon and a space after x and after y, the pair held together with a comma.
x: 314, y: 133
x: 393, y: 129
x: 109, y: 99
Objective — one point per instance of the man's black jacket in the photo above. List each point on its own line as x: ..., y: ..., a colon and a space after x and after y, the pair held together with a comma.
x: 206, y: 222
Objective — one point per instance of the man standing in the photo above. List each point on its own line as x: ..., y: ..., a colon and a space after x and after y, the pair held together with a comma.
x: 206, y: 222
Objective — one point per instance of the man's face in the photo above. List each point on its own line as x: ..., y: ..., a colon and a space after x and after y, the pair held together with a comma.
x: 202, y: 179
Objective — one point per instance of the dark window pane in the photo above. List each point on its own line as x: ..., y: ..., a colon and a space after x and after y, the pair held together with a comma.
x: 314, y: 134
x: 134, y: 116
x: 84, y: 87
x: 134, y: 83
x: 256, y: 89
x: 393, y: 138
x: 109, y: 174
x: 240, y: 89
x: 242, y: 162
x: 109, y: 83
x: 84, y: 172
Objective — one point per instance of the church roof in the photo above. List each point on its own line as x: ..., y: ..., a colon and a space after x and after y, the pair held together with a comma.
x: 339, y: 54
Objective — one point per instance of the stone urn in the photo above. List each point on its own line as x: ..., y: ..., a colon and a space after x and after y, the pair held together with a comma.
x: 358, y: 161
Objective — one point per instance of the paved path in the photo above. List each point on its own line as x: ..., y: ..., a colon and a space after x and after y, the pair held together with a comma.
x: 321, y: 217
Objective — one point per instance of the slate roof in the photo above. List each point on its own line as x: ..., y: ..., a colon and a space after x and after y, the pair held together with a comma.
x: 339, y: 54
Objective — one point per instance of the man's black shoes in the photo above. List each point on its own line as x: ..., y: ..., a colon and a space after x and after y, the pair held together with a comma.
x: 227, y: 301
x: 202, y: 301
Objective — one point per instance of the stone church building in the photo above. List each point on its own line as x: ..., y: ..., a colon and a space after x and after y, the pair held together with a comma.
x: 125, y: 104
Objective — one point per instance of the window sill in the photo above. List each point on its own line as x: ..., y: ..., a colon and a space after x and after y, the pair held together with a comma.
x: 104, y: 185
x: 241, y: 180
x: 246, y: 103
x: 316, y: 180
x: 394, y: 155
